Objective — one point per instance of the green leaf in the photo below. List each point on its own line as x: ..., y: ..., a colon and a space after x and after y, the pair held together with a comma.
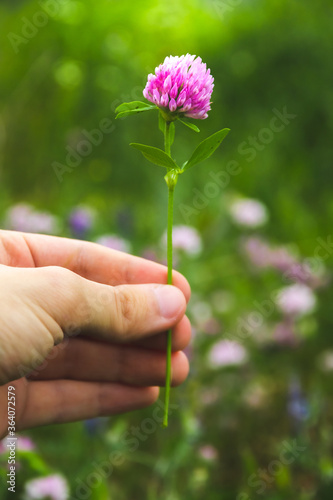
x: 155, y: 155
x: 190, y: 125
x: 131, y: 108
x: 133, y: 112
x: 206, y: 148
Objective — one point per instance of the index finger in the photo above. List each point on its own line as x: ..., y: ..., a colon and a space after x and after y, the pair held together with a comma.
x: 90, y: 260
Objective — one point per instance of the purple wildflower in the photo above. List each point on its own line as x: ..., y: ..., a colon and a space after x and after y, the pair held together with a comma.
x: 298, y: 407
x: 81, y: 220
x: 181, y: 85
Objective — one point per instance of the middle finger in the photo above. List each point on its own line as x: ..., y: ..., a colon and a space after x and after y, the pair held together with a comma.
x: 88, y: 360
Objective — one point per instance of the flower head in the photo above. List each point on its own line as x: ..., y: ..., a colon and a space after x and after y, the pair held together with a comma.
x: 181, y: 85
x: 81, y: 220
x: 248, y: 212
x: 24, y: 443
x: 24, y: 217
x: 227, y: 352
x: 296, y: 300
x: 208, y: 452
x: 53, y: 487
x: 262, y: 254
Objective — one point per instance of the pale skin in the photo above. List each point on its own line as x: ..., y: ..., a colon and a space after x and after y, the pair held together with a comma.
x: 82, y: 330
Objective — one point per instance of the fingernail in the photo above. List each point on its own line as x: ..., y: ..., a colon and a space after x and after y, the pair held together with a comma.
x: 169, y: 299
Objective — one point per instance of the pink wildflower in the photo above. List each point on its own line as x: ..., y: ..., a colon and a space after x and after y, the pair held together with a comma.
x: 24, y: 443
x: 227, y: 352
x: 181, y: 85
x: 53, y: 487
x: 208, y: 452
x: 24, y: 217
x: 248, y: 212
x: 296, y: 300
x: 115, y: 242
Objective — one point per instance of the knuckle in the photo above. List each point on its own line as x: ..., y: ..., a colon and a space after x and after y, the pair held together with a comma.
x: 57, y: 275
x: 65, y: 284
x: 63, y: 279
x: 127, y: 307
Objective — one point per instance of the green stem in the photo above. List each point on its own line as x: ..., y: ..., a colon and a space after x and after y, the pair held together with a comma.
x: 167, y: 145
x: 169, y: 338
x: 169, y: 261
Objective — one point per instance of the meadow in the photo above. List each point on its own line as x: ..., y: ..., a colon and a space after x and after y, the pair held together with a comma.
x: 253, y: 234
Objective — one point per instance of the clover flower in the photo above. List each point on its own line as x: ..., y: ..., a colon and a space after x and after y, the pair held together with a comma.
x: 52, y: 487
x: 296, y: 300
x: 248, y: 212
x: 263, y: 255
x: 24, y: 217
x: 182, y: 85
x: 24, y: 443
x: 226, y: 353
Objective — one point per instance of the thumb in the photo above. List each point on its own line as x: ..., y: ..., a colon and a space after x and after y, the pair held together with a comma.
x: 123, y: 313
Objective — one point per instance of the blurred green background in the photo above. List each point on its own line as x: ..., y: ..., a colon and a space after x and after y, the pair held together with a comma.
x: 64, y: 67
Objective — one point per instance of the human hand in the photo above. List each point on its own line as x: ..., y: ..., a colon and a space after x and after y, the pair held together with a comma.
x: 87, y: 325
